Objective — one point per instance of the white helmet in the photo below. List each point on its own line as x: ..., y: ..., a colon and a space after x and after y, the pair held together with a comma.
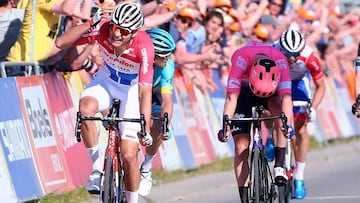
x: 128, y: 15
x: 292, y: 41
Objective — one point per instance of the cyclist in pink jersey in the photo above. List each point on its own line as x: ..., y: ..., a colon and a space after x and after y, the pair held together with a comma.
x: 258, y: 73
x: 127, y: 74
x: 304, y: 65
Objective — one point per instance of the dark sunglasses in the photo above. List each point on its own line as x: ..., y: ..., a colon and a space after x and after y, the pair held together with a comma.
x: 290, y: 54
x: 185, y: 20
x: 276, y: 4
x: 123, y: 31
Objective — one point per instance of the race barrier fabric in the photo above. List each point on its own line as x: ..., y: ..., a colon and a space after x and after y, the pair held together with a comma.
x: 39, y: 153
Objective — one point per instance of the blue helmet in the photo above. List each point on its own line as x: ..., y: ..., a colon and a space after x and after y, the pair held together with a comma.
x: 164, y: 43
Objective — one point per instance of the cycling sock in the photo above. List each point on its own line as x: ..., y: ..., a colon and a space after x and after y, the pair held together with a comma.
x: 279, y: 156
x: 147, y: 164
x: 243, y: 192
x: 95, y: 158
x: 299, y: 174
x: 132, y: 197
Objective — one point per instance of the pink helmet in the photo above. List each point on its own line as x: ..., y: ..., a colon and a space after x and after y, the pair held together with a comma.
x: 264, y: 76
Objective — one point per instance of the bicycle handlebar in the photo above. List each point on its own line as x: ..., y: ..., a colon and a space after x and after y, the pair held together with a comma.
x: 80, y: 118
x: 282, y: 116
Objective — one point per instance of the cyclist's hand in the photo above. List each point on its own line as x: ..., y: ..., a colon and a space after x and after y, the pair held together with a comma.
x: 165, y: 136
x: 224, y: 137
x: 355, y: 110
x: 96, y: 18
x: 289, y: 132
x: 312, y: 115
x: 146, y: 140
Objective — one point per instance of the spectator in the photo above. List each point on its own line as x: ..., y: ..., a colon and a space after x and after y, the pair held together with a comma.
x: 10, y: 24
x: 45, y: 28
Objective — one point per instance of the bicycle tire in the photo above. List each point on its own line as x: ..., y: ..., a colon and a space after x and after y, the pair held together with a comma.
x: 265, y: 184
x: 256, y: 175
x: 122, y: 189
x: 109, y: 192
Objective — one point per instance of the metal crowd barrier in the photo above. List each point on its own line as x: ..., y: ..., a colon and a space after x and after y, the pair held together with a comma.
x: 31, y: 68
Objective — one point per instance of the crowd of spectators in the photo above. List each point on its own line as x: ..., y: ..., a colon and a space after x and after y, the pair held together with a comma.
x: 207, y: 32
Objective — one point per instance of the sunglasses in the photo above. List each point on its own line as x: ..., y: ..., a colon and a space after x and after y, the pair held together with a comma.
x: 276, y: 4
x: 123, y: 31
x: 289, y: 54
x: 185, y: 20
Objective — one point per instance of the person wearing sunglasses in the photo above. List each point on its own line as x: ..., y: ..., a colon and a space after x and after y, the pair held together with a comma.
x: 126, y: 74
x: 304, y: 64
x: 162, y: 102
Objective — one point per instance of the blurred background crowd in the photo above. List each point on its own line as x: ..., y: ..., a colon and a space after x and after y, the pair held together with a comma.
x: 207, y: 32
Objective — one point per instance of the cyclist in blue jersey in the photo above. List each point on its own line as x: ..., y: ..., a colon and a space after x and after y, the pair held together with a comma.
x: 162, y: 102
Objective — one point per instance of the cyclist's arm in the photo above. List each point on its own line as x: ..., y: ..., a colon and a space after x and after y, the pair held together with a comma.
x: 145, y: 95
x: 167, y: 86
x: 313, y: 65
x: 146, y: 54
x: 230, y: 104
x: 67, y: 39
x: 287, y: 108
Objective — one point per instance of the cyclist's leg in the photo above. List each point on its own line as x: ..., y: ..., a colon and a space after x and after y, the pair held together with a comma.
x: 92, y: 100
x: 150, y: 154
x: 129, y: 144
x: 274, y: 106
x: 301, y: 92
x: 240, y: 132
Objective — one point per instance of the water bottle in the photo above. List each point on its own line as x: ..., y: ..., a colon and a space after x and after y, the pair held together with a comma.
x: 269, y: 150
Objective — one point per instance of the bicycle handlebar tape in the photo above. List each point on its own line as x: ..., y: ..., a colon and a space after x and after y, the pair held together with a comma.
x: 225, y: 122
x: 78, y: 127
x: 166, y: 122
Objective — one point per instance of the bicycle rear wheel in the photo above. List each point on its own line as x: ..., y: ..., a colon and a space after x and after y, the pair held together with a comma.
x: 109, y: 191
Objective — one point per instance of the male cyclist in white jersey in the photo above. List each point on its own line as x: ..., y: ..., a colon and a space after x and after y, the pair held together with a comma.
x: 127, y: 74
x: 162, y: 101
x: 303, y: 64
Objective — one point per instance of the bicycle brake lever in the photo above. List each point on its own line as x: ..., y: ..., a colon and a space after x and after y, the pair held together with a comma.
x: 142, y: 125
x: 165, y: 123
x: 284, y: 122
x: 78, y: 127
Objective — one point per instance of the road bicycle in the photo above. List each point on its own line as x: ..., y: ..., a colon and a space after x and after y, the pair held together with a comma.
x: 112, y: 187
x: 262, y: 184
x: 286, y: 192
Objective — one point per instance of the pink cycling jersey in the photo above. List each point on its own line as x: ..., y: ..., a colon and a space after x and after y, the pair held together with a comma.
x: 242, y: 60
x: 134, y: 65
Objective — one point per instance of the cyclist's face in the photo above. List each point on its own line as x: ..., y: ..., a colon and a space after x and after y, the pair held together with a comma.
x: 161, y: 61
x: 119, y: 35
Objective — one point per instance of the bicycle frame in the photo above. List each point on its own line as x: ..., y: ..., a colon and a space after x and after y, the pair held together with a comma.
x: 261, y: 186
x: 112, y: 181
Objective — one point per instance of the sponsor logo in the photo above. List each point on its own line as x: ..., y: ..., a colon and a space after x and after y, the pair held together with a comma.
x: 145, y: 61
x: 241, y: 63
x: 38, y: 116
x: 15, y: 140
x: 233, y: 83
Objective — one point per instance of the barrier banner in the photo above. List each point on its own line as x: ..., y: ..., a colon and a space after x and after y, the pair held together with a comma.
x: 7, y: 193
x: 195, y: 131
x: 181, y: 138
x: 202, y: 123
x: 63, y: 117
x: 326, y: 113
x: 16, y: 147
x: 50, y: 164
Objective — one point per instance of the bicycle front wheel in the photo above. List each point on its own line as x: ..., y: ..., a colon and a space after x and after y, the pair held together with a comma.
x: 109, y: 192
x: 256, y: 179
